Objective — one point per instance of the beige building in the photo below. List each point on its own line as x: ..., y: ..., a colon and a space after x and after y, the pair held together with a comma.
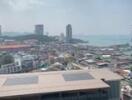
x: 94, y: 84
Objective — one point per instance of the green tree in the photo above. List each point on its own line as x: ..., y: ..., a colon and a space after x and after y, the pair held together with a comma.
x: 6, y: 59
x: 68, y: 59
x: 98, y: 58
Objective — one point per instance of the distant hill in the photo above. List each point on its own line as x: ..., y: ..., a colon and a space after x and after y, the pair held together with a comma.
x: 12, y: 34
x: 78, y: 41
x: 40, y: 38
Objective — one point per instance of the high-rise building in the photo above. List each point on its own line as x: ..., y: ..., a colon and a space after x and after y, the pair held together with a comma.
x: 39, y: 29
x: 93, y: 84
x: 0, y: 30
x: 62, y: 37
x: 69, y: 33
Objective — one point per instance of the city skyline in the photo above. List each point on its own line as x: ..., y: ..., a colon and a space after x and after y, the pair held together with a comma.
x: 87, y: 17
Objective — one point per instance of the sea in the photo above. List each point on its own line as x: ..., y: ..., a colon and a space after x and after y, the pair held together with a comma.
x: 106, y: 40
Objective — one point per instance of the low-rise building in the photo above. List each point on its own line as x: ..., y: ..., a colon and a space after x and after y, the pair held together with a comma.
x: 25, y: 61
x: 97, y: 84
x: 10, y: 68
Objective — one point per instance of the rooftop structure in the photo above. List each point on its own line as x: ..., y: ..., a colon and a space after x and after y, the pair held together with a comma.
x: 51, y: 82
x: 14, y: 47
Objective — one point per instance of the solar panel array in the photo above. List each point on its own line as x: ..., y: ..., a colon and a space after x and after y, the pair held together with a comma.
x: 77, y: 76
x: 26, y: 80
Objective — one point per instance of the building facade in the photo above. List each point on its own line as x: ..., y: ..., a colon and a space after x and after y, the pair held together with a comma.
x: 62, y: 37
x: 10, y: 68
x: 69, y: 33
x: 39, y: 29
x: 98, y: 94
x: 127, y: 97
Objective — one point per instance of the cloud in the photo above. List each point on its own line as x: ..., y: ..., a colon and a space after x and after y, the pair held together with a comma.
x: 22, y: 5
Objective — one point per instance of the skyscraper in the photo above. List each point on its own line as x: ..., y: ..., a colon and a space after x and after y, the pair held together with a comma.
x: 68, y: 33
x: 62, y: 37
x: 0, y: 31
x: 39, y: 29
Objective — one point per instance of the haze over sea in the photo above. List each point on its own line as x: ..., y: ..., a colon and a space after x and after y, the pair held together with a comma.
x: 95, y: 40
x: 106, y: 40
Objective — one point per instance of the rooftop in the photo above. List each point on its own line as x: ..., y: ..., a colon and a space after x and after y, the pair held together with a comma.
x: 13, y: 46
x: 48, y: 82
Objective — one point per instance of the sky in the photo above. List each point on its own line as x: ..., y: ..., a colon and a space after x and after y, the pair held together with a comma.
x: 87, y: 17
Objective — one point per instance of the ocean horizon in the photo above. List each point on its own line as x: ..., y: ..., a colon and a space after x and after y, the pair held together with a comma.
x: 105, y: 40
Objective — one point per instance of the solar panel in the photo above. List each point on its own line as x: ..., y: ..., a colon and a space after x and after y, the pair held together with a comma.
x: 21, y: 80
x: 77, y: 76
